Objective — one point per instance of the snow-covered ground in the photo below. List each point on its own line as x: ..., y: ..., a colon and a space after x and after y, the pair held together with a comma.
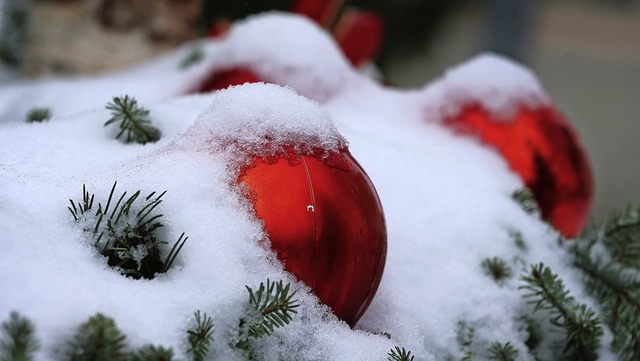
x: 446, y: 198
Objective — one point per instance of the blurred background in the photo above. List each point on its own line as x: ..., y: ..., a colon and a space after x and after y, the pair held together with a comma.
x: 585, y: 52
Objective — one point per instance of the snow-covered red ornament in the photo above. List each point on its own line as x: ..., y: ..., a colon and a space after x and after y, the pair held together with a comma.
x: 503, y: 104
x: 225, y: 78
x: 325, y: 223
x: 539, y: 145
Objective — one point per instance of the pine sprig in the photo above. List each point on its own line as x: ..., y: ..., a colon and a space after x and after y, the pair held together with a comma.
x: 497, y: 268
x: 38, y: 115
x: 399, y: 354
x: 608, y: 256
x: 200, y: 336
x: 152, y: 353
x: 134, y: 122
x: 465, y: 335
x: 98, y: 339
x: 502, y: 352
x: 18, y: 342
x: 125, y: 232
x: 546, y: 292
x: 525, y: 199
x: 274, y: 306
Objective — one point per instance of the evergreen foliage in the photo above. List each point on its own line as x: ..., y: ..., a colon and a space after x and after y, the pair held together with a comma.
x: 200, y: 336
x: 133, y: 121
x: 195, y: 56
x: 125, y: 233
x: 525, y: 198
x: 465, y: 335
x: 38, y: 115
x: 98, y: 339
x: 269, y: 308
x: 609, y: 256
x: 497, y: 268
x: 152, y: 353
x: 17, y: 342
x: 399, y: 354
x: 502, y: 352
x: 546, y: 292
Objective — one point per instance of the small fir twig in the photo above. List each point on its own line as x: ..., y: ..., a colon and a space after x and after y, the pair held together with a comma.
x: 98, y: 339
x: 525, y: 199
x: 609, y: 256
x: 497, y: 268
x: 546, y: 292
x: 399, y: 354
x: 200, y: 336
x: 125, y: 232
x: 465, y: 335
x: 195, y: 55
x: 502, y: 352
x: 270, y: 307
x: 38, y: 115
x: 133, y: 121
x: 152, y: 353
x: 18, y: 342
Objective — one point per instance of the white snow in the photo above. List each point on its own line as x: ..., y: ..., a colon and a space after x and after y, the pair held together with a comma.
x: 446, y: 199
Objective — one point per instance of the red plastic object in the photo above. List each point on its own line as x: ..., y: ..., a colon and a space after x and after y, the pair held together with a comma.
x: 359, y: 34
x: 323, y: 12
x: 226, y: 78
x: 325, y: 224
x: 542, y: 148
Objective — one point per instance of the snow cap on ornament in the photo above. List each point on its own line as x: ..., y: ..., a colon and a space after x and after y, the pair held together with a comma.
x: 503, y: 105
x: 319, y: 208
x: 279, y: 48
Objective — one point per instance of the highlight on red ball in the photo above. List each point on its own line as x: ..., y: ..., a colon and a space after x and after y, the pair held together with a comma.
x: 324, y: 222
x: 540, y: 146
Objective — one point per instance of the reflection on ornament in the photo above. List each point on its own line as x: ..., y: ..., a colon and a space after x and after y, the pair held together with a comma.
x: 542, y: 148
x: 325, y: 223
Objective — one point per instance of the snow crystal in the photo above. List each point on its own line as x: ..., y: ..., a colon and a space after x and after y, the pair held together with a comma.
x: 497, y: 83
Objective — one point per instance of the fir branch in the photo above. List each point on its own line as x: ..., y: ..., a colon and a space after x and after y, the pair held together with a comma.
x: 125, y: 232
x: 465, y: 335
x: 525, y: 198
x: 399, y: 354
x: 546, y: 291
x: 502, y: 352
x: 133, y: 120
x: 534, y: 332
x: 200, y: 336
x: 152, y: 353
x: 497, y: 268
x: 194, y: 56
x: 38, y: 115
x: 607, y: 256
x: 18, y: 342
x: 98, y: 339
x: 274, y: 305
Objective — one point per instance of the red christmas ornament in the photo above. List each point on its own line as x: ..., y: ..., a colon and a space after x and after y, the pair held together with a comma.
x: 542, y: 148
x: 359, y: 35
x: 323, y: 12
x: 325, y: 224
x: 225, y: 78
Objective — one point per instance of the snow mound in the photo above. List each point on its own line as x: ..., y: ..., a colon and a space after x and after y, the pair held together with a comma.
x: 262, y: 120
x: 497, y: 83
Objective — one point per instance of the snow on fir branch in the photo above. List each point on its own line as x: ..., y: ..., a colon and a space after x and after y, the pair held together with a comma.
x: 525, y: 198
x: 18, y: 342
x: 498, y: 269
x: 126, y: 232
x: 502, y: 352
x: 38, y: 115
x: 582, y: 329
x: 399, y: 354
x: 200, y: 336
x: 99, y: 339
x: 133, y: 121
x: 609, y: 256
x: 269, y: 308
